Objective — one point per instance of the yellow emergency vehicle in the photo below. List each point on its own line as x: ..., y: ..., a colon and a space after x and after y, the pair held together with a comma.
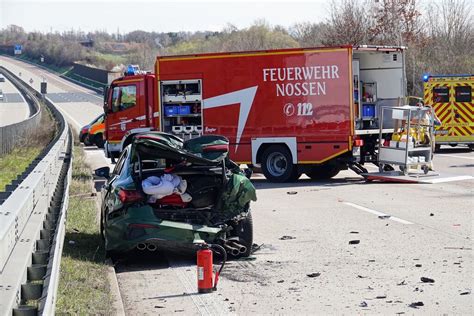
x: 452, y: 96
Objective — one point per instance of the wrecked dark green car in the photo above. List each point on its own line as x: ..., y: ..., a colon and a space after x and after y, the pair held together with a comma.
x: 172, y: 195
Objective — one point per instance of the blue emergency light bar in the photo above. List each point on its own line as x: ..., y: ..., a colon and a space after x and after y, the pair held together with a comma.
x: 132, y: 70
x: 426, y: 77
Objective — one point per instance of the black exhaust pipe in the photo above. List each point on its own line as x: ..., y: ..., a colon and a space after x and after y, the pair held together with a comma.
x: 241, y: 248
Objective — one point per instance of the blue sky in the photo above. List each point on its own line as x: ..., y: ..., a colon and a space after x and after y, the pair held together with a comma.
x: 155, y: 15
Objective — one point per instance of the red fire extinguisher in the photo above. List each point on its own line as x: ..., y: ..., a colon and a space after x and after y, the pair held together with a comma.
x: 205, y: 273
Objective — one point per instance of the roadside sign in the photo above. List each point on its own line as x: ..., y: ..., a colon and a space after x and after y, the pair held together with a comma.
x: 17, y: 49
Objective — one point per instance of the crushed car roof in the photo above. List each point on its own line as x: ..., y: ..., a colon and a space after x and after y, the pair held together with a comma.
x: 204, y: 150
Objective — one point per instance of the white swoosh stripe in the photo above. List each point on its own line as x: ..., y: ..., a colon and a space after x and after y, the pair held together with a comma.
x: 244, y: 97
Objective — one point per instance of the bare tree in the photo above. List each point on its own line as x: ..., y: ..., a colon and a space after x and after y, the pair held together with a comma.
x: 451, y: 34
x: 308, y: 34
x: 348, y: 23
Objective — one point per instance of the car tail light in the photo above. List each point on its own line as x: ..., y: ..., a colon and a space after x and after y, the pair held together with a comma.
x: 129, y: 196
x: 358, y: 142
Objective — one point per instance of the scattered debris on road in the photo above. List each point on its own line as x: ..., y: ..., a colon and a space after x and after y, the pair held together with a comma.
x: 256, y: 248
x: 427, y: 280
x: 384, y: 216
x: 280, y: 281
x: 465, y: 293
x: 416, y: 304
x: 458, y: 248
x: 431, y: 214
x: 245, y: 259
x: 354, y: 232
x: 381, y: 297
x: 291, y: 192
x: 402, y: 283
x: 313, y: 275
x: 418, y: 265
x: 363, y: 304
x: 285, y: 237
x: 354, y: 242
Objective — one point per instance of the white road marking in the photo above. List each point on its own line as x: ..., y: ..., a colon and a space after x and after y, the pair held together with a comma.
x: 455, y: 156
x: 446, y: 179
x: 393, y: 218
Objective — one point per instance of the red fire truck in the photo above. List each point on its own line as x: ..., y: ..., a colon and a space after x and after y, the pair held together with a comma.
x: 290, y: 111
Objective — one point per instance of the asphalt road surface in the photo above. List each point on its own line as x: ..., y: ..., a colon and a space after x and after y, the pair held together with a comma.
x: 13, y: 107
x: 305, y: 262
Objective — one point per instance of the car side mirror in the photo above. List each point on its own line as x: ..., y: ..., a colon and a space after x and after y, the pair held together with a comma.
x: 103, y: 172
x: 107, y: 108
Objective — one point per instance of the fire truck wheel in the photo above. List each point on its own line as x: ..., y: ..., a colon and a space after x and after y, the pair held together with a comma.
x: 277, y: 164
x: 99, y: 140
x: 323, y: 172
x: 437, y: 148
x: 471, y: 147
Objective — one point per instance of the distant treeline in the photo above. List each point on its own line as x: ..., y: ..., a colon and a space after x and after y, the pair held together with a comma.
x: 440, y: 37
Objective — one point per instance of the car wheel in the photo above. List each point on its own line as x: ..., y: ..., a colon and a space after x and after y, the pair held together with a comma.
x: 323, y: 172
x: 99, y: 140
x: 437, y: 148
x: 471, y: 147
x: 82, y: 137
x: 87, y: 140
x: 244, y: 230
x: 426, y: 169
x: 277, y: 164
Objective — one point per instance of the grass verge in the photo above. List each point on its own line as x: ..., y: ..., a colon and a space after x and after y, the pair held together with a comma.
x: 14, y: 163
x: 83, y: 285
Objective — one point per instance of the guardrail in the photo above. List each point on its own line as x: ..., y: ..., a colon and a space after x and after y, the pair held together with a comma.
x: 12, y: 135
x: 32, y: 225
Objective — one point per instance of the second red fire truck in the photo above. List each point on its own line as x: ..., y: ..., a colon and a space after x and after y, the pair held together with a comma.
x: 291, y: 111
